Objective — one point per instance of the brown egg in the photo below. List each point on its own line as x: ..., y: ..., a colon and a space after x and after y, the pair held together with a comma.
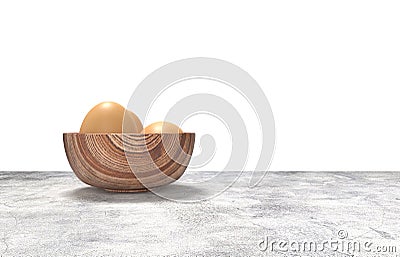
x: 161, y: 127
x: 107, y: 117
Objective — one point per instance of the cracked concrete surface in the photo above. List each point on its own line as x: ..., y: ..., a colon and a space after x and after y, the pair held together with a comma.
x: 54, y: 214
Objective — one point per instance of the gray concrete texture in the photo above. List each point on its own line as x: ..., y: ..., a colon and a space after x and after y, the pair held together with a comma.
x: 54, y: 214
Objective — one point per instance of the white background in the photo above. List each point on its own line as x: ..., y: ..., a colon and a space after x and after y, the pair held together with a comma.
x: 330, y: 69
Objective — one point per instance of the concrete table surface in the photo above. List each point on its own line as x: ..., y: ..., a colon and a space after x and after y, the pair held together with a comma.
x: 54, y: 214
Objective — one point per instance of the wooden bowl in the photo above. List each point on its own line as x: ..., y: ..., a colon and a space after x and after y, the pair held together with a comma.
x: 128, y: 162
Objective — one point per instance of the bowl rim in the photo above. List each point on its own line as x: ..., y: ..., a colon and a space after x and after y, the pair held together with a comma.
x: 77, y: 133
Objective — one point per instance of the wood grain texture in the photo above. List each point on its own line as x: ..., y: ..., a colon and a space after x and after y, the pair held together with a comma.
x: 128, y: 162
